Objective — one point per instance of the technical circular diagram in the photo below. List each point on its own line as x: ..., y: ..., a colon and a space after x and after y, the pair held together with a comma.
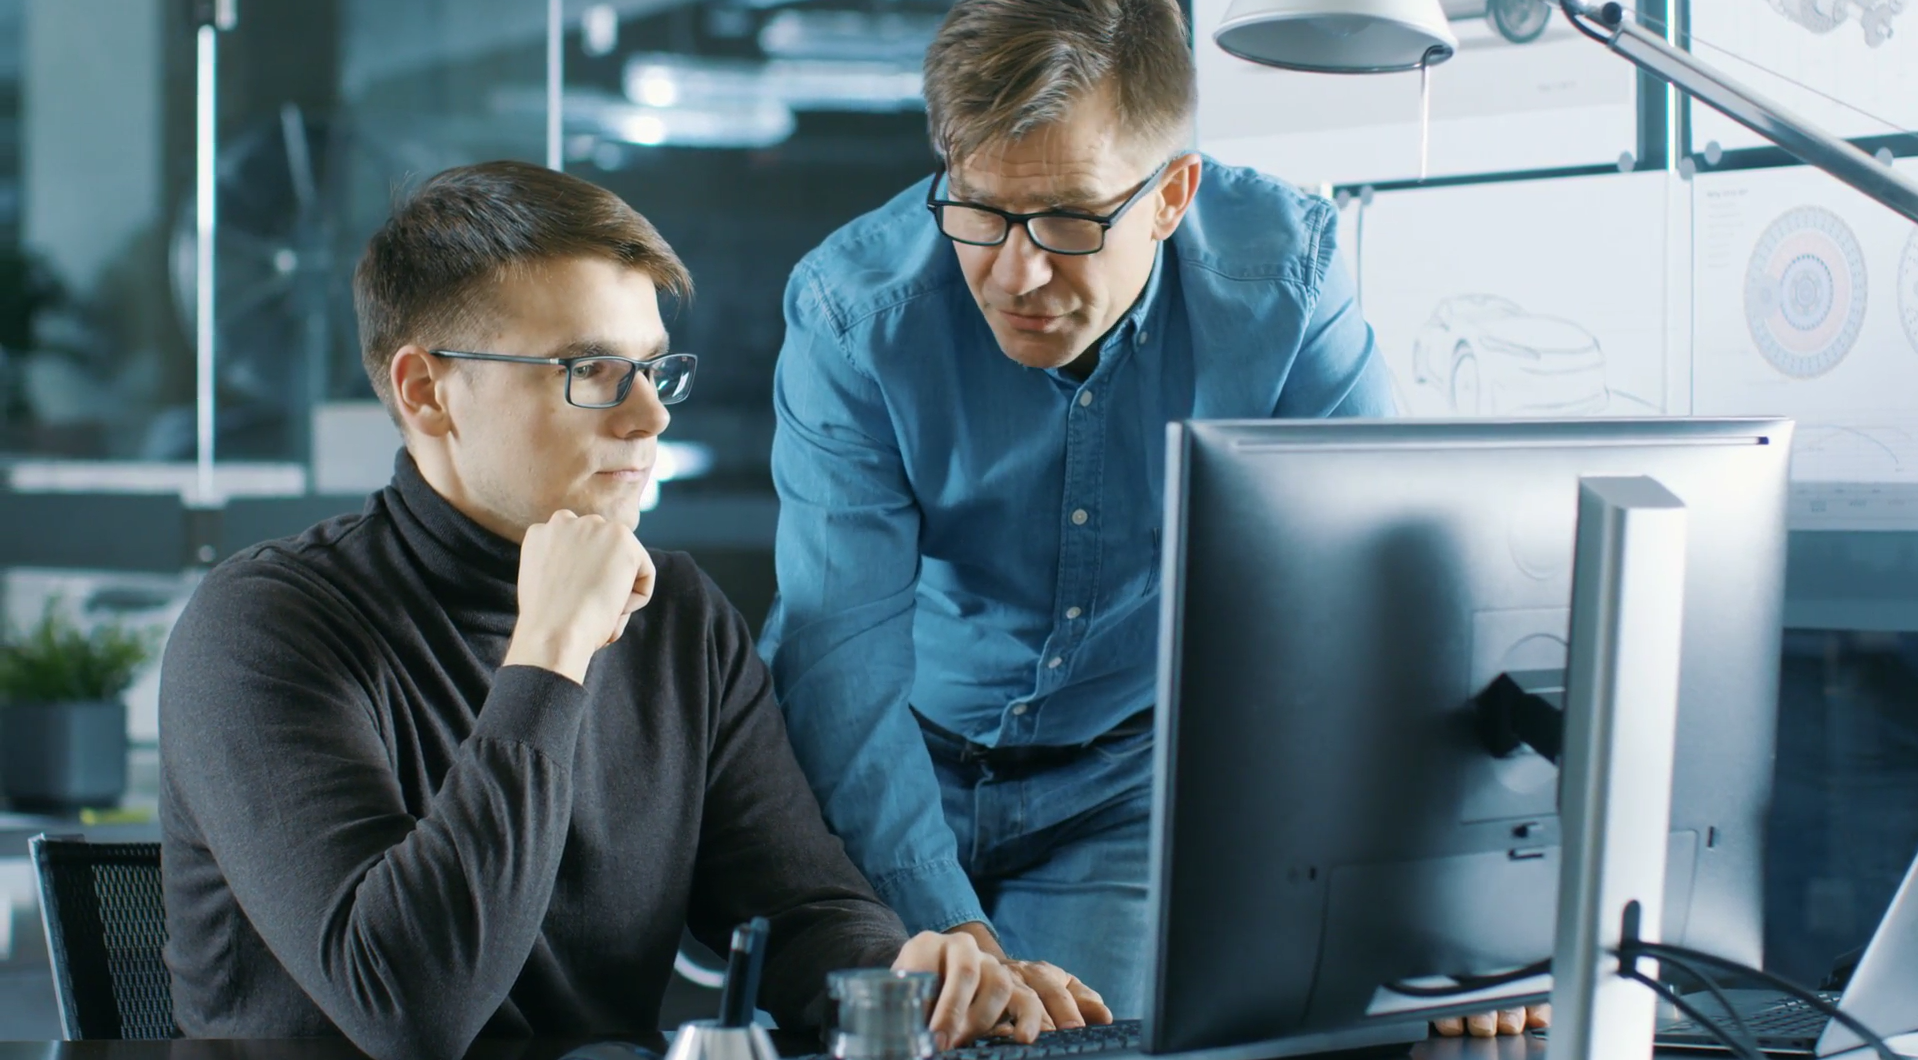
x: 1908, y: 289
x: 1805, y: 292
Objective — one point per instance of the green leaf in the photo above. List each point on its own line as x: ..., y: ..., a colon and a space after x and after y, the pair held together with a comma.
x: 57, y: 661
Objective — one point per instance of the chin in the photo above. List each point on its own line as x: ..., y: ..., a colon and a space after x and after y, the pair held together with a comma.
x: 1044, y: 352
x: 625, y: 511
x: 618, y: 505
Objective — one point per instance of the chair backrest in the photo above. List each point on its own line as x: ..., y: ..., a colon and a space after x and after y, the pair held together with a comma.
x: 105, y: 920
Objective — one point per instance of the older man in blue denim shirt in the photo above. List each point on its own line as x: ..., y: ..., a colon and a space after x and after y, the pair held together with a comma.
x: 972, y: 401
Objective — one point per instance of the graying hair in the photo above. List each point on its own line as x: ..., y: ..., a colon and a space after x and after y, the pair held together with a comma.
x: 999, y: 69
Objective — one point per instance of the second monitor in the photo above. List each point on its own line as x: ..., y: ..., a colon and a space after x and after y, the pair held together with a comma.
x: 1329, y: 819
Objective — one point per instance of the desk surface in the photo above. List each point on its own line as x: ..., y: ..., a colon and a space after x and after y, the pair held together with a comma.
x: 1526, y: 1048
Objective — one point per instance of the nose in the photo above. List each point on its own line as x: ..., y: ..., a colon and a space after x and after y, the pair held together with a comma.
x: 642, y: 414
x: 1021, y: 265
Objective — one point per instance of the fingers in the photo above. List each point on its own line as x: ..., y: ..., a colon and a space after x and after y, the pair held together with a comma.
x: 642, y: 582
x: 1509, y: 1021
x: 1028, y: 1013
x: 1091, y: 1005
x: 978, y: 995
x: 982, y: 995
x: 957, y: 960
x: 991, y: 998
x: 1053, y: 988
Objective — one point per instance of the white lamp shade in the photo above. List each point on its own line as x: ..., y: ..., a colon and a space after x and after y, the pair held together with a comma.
x: 1338, y: 36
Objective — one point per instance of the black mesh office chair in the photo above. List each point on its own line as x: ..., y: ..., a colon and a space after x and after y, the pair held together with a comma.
x: 106, y: 925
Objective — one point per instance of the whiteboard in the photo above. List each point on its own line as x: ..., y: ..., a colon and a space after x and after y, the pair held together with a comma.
x: 1529, y: 298
x: 1555, y: 101
x: 1806, y: 302
x: 1862, y: 52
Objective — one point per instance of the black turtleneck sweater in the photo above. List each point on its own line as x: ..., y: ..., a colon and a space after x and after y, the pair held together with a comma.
x: 371, y: 828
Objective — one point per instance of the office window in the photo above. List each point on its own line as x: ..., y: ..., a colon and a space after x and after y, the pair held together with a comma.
x: 747, y: 132
x: 95, y: 166
x: 328, y: 112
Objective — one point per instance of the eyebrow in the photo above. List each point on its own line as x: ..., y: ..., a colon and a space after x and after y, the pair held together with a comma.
x: 600, y: 348
x: 1079, y: 197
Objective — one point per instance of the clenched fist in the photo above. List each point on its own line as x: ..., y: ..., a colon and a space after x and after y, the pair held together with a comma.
x: 580, y: 580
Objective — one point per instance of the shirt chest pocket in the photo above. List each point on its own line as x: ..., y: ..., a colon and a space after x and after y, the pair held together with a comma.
x: 1155, y: 562
x: 1135, y: 565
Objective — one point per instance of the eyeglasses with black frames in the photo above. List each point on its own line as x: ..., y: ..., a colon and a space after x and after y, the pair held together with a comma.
x: 1057, y: 231
x: 602, y: 381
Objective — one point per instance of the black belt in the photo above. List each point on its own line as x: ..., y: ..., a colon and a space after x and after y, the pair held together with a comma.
x: 1029, y: 756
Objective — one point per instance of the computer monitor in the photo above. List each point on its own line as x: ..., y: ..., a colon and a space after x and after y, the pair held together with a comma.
x: 1327, y: 816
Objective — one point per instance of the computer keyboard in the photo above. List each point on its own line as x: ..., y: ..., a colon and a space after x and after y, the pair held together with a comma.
x: 1080, y: 1041
x: 1083, y: 1041
x: 1785, y: 1018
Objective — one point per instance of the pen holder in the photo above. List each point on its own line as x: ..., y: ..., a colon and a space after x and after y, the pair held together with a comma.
x: 708, y: 1040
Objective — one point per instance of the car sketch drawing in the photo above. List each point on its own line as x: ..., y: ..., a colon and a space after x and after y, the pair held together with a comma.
x: 1490, y: 357
x: 1823, y: 16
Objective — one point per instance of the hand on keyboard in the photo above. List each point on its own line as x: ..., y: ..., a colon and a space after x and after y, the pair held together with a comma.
x: 1068, y: 1002
x: 978, y: 994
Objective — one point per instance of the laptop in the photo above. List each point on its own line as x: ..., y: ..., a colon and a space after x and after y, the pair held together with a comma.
x: 1882, y: 995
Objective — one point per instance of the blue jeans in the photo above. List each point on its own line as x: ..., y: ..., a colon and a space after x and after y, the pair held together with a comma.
x: 1057, y: 854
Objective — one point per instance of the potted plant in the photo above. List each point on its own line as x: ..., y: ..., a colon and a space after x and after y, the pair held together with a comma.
x: 63, y: 725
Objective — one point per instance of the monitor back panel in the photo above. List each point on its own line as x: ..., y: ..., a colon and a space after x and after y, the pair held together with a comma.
x: 1326, y: 815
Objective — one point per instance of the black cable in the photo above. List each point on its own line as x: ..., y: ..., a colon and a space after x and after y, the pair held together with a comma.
x: 1738, y: 1020
x: 1658, y: 950
x: 1467, y: 984
x: 1740, y: 1048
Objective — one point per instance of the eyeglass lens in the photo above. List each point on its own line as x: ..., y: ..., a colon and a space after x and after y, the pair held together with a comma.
x: 602, y: 382
x: 1064, y: 235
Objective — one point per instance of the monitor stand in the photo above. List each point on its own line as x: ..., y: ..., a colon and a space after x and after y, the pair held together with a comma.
x: 1621, y: 715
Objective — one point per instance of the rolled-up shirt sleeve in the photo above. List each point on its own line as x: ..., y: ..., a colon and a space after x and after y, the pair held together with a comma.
x: 1346, y: 375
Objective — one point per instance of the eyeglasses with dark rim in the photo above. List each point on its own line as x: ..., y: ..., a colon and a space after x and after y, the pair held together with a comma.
x: 1057, y: 231
x: 602, y: 381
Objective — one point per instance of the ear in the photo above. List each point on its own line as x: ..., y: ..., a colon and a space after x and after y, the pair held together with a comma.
x: 418, y: 381
x: 1176, y: 195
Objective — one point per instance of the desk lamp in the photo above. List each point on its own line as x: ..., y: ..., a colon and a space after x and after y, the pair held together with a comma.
x: 1387, y: 36
x: 1614, y: 836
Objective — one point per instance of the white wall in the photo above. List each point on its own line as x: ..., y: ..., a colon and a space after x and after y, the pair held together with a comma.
x: 1773, y: 291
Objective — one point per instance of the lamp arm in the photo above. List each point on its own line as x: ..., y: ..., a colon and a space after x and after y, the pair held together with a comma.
x: 1807, y: 142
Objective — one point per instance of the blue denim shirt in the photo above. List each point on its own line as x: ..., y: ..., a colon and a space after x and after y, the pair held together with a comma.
x: 980, y: 540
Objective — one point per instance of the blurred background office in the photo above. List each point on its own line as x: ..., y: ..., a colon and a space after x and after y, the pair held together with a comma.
x: 1582, y: 243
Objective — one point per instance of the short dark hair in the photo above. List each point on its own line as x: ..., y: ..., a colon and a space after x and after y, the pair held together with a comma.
x: 420, y: 277
x: 1000, y: 68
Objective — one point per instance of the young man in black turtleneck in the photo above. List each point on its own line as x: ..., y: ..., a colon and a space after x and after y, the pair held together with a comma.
x: 465, y: 763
